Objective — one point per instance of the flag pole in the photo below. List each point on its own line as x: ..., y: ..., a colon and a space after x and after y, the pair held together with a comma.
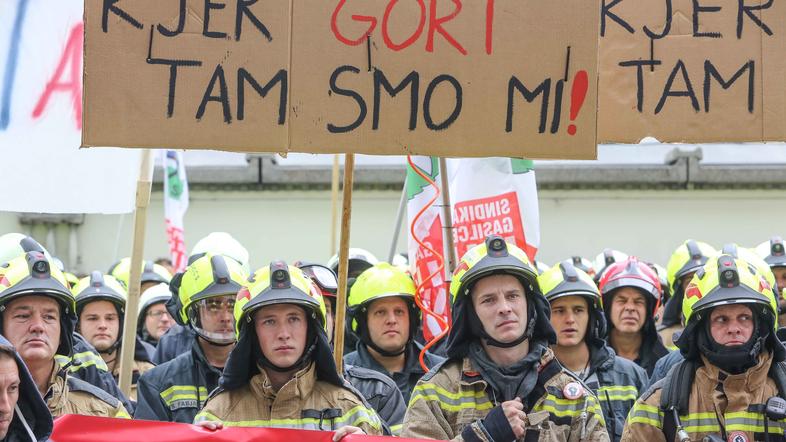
x: 402, y: 204
x: 333, y: 205
x: 343, y: 261
x: 447, y: 217
x: 130, y: 321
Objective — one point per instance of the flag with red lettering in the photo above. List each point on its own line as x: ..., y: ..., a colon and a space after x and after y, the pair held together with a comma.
x: 488, y: 196
x: 43, y: 167
x: 175, y: 205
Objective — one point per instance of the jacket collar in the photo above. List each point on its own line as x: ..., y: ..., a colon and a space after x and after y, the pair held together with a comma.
x: 299, y: 387
x: 753, y: 379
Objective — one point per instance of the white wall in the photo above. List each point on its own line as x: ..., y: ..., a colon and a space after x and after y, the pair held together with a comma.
x: 296, y: 224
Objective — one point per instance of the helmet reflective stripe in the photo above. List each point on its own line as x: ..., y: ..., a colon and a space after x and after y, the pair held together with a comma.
x: 207, y: 277
x: 726, y: 280
x: 566, y: 280
x: 687, y: 258
x: 277, y: 283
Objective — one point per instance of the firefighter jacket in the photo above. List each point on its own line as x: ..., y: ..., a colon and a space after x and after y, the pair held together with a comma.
x: 304, y: 402
x: 176, y: 390
x: 719, y: 403
x: 69, y: 395
x: 406, y: 379
x: 176, y: 341
x: 86, y: 364
x: 381, y: 393
x: 670, y: 334
x: 617, y: 383
x: 452, y: 399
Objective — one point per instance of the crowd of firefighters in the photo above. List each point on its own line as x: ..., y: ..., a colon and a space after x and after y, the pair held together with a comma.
x: 610, y: 350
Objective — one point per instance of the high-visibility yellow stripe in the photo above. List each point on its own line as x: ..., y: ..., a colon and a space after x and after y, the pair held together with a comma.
x: 451, y: 401
x: 183, y: 392
x: 354, y: 417
x: 396, y: 429
x: 618, y: 393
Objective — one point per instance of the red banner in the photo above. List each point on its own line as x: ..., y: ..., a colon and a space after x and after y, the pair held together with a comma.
x: 75, y: 428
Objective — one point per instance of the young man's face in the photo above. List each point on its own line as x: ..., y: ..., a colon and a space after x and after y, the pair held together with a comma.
x: 282, y: 331
x: 9, y: 391
x: 501, y: 305
x: 731, y: 325
x: 99, y: 323
x: 388, y: 323
x: 569, y: 318
x: 157, y: 320
x: 32, y: 324
x: 628, y: 310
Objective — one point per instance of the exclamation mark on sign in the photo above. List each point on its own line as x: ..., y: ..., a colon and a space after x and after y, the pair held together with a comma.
x: 577, y: 96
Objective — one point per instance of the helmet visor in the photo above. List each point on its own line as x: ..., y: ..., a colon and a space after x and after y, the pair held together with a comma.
x: 213, y: 319
x: 323, y: 276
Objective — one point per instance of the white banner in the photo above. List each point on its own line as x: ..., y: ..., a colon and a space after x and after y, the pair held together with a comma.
x: 488, y: 196
x: 175, y: 205
x: 42, y: 167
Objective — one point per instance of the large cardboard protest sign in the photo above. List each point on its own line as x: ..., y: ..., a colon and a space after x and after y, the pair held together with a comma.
x: 186, y: 74
x: 435, y: 77
x: 692, y: 70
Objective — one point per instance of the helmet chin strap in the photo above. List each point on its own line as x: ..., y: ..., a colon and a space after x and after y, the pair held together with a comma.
x: 111, y: 349
x: 380, y: 350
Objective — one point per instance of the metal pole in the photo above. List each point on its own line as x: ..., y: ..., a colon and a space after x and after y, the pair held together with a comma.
x: 343, y: 261
x: 134, y: 279
x: 399, y: 220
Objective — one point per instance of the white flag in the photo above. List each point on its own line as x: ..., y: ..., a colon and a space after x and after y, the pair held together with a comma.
x: 488, y: 196
x: 175, y: 205
x: 42, y: 167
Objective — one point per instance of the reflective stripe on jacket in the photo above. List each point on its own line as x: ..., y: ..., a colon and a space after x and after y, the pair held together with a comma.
x: 175, y: 391
x: 304, y: 402
x: 719, y: 403
x: 454, y: 395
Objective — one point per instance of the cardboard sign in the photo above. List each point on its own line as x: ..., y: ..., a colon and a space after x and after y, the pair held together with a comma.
x: 433, y: 77
x: 712, y: 72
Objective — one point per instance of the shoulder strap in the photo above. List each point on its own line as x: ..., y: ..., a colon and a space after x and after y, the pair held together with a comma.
x: 548, y: 371
x: 76, y: 384
x: 778, y: 374
x: 675, y: 394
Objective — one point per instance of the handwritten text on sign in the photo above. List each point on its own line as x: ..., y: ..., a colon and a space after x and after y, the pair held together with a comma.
x: 692, y: 70
x: 443, y: 77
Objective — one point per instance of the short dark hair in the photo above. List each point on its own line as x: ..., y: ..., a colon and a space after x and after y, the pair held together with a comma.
x: 7, y: 351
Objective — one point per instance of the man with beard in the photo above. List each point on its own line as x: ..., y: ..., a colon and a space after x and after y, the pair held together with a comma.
x: 578, y: 319
x: 383, y: 315
x: 631, y: 295
x: 730, y: 385
x: 501, y: 381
